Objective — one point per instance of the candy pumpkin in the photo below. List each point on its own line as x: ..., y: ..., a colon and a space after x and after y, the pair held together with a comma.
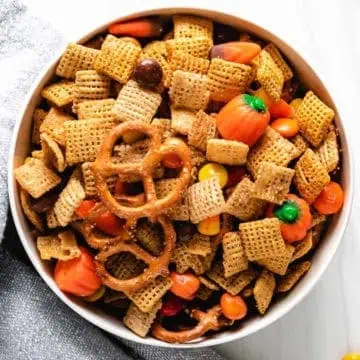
x: 244, y: 119
x: 295, y: 217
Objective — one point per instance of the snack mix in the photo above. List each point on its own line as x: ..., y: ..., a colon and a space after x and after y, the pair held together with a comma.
x: 180, y: 175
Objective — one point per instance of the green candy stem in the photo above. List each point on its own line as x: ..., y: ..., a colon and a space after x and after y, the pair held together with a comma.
x: 255, y: 103
x: 288, y: 212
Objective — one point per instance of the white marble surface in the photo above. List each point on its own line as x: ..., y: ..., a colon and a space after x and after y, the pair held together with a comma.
x: 327, y: 33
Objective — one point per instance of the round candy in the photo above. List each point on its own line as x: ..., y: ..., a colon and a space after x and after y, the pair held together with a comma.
x: 212, y: 169
x: 285, y: 127
x: 233, y: 307
x: 185, y: 285
x: 148, y: 73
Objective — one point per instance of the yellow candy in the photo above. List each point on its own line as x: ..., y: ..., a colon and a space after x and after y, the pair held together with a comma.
x: 296, y: 103
x: 351, y: 356
x: 212, y: 169
x: 132, y: 136
x: 97, y: 295
x: 209, y: 226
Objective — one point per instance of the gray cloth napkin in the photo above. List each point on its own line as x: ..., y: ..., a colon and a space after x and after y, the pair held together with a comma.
x: 34, y: 323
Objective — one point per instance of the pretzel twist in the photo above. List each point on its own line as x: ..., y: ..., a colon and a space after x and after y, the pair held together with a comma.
x: 104, y: 167
x: 206, y: 321
x: 157, y: 266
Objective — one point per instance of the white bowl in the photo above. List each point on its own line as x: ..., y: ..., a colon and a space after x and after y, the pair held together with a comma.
x: 323, y: 255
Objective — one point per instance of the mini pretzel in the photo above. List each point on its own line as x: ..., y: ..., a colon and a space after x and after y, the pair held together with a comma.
x: 206, y: 321
x: 103, y: 167
x: 157, y: 266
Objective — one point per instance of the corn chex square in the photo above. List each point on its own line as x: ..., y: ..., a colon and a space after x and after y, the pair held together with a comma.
x: 314, y: 118
x: 189, y: 90
x: 264, y: 290
x: 136, y: 103
x: 180, y: 210
x: 117, y: 60
x: 189, y: 63
x: 228, y: 79
x: 53, y: 125
x: 278, y: 264
x: 96, y: 109
x: 328, y: 152
x: 198, y: 47
x: 234, y: 258
x: 76, y: 57
x: 84, y: 139
x: 89, y: 85
x: 138, y: 321
x: 270, y: 76
x: 60, y: 93
x: 310, y: 176
x: 273, y: 148
x: 279, y: 61
x: 187, y: 26
x: 205, y: 199
x: 37, y: 179
x: 242, y: 204
x: 233, y: 284
x: 148, y: 297
x: 228, y: 152
x: 262, y: 239
x: 202, y: 130
x: 273, y: 182
x: 69, y: 199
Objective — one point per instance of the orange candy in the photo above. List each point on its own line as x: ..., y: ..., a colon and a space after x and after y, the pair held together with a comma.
x: 78, y: 276
x: 233, y: 307
x: 244, y: 119
x: 330, y: 200
x: 137, y: 28
x: 286, y: 127
x: 109, y: 223
x: 281, y: 109
x: 209, y: 226
x: 237, y: 51
x: 172, y: 161
x: 85, y: 208
x: 185, y: 285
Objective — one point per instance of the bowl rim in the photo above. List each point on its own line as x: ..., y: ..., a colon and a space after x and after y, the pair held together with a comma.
x: 96, y: 319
